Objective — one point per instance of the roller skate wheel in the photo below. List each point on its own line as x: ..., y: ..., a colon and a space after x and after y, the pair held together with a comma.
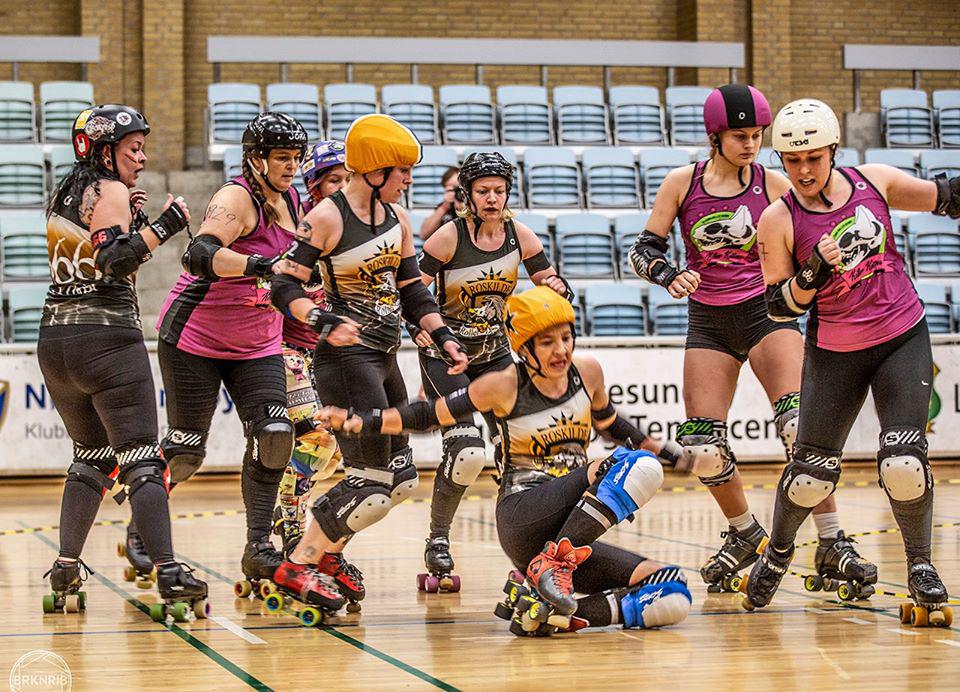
x: 129, y: 573
x: 144, y: 583
x: 919, y: 616
x: 905, y: 610
x: 947, y: 616
x: 432, y: 584
x: 201, y: 609
x: 122, y: 552
x: 273, y: 602
x: 503, y: 611
x: 422, y: 581
x: 936, y: 618
x: 713, y: 588
x: 528, y: 623
x: 71, y: 604
x: 813, y: 582
x: 747, y: 605
x: 516, y: 576
x: 450, y: 583
x: 516, y: 627
x: 83, y: 599
x: 310, y: 616
x: 267, y: 588
x: 733, y: 584
x: 242, y: 589
x: 158, y: 612
x: 865, y: 592
x: 50, y: 603
x: 831, y: 584
x: 181, y: 612
x: 353, y: 607
x: 846, y: 592
x: 559, y: 622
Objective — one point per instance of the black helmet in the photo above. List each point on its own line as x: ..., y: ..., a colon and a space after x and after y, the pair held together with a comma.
x: 270, y: 131
x: 105, y: 124
x: 483, y: 164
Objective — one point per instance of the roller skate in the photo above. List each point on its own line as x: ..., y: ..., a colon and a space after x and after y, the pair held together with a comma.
x: 740, y: 549
x: 348, y: 578
x: 141, y: 569
x: 929, y: 608
x: 840, y: 568
x: 439, y: 575
x: 529, y: 614
x: 305, y: 593
x: 765, y: 577
x: 260, y: 560
x: 66, y: 579
x: 182, y: 594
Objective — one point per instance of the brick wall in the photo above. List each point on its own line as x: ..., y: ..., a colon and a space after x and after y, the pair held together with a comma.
x: 51, y: 18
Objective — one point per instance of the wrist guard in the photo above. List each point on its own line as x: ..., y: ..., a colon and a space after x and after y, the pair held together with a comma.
x: 169, y: 223
x: 815, y: 274
x: 260, y: 266
x: 323, y: 322
x: 948, y: 196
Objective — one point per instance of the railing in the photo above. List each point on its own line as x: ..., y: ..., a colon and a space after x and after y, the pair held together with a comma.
x: 858, y: 57
x: 74, y: 49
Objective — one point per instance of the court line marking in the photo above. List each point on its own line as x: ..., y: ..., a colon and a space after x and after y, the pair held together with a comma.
x: 230, y: 625
x: 858, y: 621
x: 948, y: 642
x: 844, y: 675
x: 900, y: 630
x: 197, y: 644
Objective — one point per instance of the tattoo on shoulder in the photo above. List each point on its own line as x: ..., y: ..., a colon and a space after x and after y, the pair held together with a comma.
x: 91, y: 195
x: 304, y: 230
x: 215, y: 212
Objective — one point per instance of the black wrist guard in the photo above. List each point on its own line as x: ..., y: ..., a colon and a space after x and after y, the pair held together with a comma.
x: 412, y: 329
x: 169, y: 223
x: 372, y: 421
x: 649, y: 260
x: 815, y: 274
x: 442, y: 335
x: 258, y: 265
x: 323, y: 322
x: 948, y: 196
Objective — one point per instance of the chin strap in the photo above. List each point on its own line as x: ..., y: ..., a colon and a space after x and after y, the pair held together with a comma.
x: 266, y: 179
x: 375, y: 195
x: 716, y: 143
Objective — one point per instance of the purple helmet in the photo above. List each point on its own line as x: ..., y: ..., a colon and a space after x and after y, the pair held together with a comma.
x: 322, y: 157
x: 735, y: 105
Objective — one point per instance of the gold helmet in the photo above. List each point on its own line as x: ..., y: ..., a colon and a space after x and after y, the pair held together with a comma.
x: 530, y: 312
x: 378, y: 141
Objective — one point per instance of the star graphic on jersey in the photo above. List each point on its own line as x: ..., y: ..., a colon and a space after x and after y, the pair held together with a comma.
x: 385, y: 249
x: 489, y: 275
x: 559, y: 422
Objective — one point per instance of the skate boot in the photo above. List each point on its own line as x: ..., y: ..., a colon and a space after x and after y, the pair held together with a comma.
x: 141, y: 569
x: 740, y: 549
x: 439, y: 575
x: 765, y: 577
x: 182, y: 594
x: 348, y: 578
x: 840, y: 568
x: 305, y: 593
x: 929, y: 608
x: 260, y: 560
x: 550, y: 576
x: 66, y: 579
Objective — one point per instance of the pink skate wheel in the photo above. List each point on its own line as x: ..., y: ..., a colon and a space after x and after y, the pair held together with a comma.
x: 432, y: 584
x: 454, y: 583
x: 516, y: 576
x: 422, y: 581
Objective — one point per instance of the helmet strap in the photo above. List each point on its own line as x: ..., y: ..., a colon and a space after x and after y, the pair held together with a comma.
x: 265, y: 177
x: 716, y: 143
x: 833, y: 163
x: 375, y: 196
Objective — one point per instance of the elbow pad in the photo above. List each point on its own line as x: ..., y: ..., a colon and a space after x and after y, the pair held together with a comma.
x: 781, y: 305
x: 537, y: 263
x: 284, y: 289
x: 649, y: 260
x: 198, y: 259
x: 118, y: 254
x: 416, y: 302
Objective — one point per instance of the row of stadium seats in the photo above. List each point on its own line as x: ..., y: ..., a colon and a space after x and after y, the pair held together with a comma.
x: 28, y: 172
x: 60, y: 102
x: 907, y: 119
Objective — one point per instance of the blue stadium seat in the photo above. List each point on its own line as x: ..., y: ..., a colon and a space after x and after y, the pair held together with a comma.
x: 539, y: 224
x: 24, y: 246
x: 301, y: 101
x: 17, y: 108
x: 524, y: 115
x: 60, y: 104
x: 22, y: 175
x: 905, y: 117
x: 936, y: 161
x: 685, y: 114
x: 611, y: 177
x: 937, y: 253
x: 61, y: 162
x: 231, y: 107
x: 467, y: 115
x: 344, y: 103
x: 581, y: 115
x: 946, y: 110
x: 626, y: 228
x: 426, y: 191
x: 616, y: 310
x: 848, y: 156
x: 898, y: 158
x: 586, y: 247
x: 668, y: 315
x: 938, y: 308
x: 553, y: 179
x: 233, y: 162
x: 655, y: 163
x: 412, y: 105
x: 902, y: 240
x: 516, y: 192
x: 637, y: 115
x: 25, y: 305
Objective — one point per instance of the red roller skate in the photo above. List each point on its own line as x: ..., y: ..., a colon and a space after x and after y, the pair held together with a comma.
x: 348, y: 577
x: 305, y: 593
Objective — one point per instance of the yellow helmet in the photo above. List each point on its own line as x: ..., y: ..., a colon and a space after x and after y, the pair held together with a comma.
x: 530, y: 312
x: 378, y: 141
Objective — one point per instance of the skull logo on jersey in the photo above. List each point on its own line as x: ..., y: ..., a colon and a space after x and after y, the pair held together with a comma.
x: 726, y: 236
x: 861, y: 239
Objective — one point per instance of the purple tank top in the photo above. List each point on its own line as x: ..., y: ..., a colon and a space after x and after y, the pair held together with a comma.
x: 230, y: 318
x: 720, y: 237
x: 871, y: 300
x: 295, y: 332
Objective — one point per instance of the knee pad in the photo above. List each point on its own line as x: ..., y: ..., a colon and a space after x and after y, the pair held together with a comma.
x: 145, y: 465
x: 631, y: 482
x: 708, y: 455
x: 902, y: 464
x: 272, y: 437
x: 405, y: 477
x: 464, y: 454
x: 184, y: 451
x: 350, y: 506
x: 787, y: 420
x: 95, y: 467
x: 811, y: 476
x: 655, y: 605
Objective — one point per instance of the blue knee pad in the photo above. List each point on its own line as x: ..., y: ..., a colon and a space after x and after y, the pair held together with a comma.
x: 655, y: 605
x: 631, y: 481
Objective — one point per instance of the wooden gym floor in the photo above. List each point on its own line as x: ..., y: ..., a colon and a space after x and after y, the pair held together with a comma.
x: 406, y: 639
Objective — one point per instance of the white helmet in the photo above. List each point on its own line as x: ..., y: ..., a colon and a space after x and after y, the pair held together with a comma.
x: 805, y: 124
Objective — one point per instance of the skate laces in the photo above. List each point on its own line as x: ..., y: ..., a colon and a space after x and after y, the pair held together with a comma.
x: 350, y: 570
x: 85, y: 570
x: 925, y: 576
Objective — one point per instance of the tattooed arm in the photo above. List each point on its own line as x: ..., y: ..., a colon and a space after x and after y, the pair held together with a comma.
x: 229, y: 215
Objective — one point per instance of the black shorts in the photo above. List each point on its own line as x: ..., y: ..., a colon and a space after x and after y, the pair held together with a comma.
x: 731, y: 329
x: 438, y: 383
x: 526, y: 520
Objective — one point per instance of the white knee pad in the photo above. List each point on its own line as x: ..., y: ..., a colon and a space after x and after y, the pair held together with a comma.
x: 643, y: 480
x: 807, y: 491
x: 903, y: 477
x: 705, y: 460
x: 671, y: 609
x: 464, y: 453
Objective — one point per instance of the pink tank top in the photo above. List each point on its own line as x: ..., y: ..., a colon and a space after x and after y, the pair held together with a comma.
x: 720, y: 237
x: 871, y: 300
x: 230, y: 318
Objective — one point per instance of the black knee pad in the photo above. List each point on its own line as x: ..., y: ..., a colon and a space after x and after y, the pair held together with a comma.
x: 405, y: 477
x: 257, y: 471
x: 902, y: 464
x: 272, y: 436
x: 184, y: 451
x: 464, y: 455
x: 136, y: 474
x: 95, y: 467
x: 810, y: 477
x: 350, y: 506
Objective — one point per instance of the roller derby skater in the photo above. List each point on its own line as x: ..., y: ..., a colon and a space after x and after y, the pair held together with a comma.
x: 474, y: 260
x: 718, y: 202
x: 91, y: 350
x: 867, y: 331
x: 840, y: 568
x: 551, y: 496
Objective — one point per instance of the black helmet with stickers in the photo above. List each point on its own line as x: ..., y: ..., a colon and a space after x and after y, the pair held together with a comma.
x: 105, y: 124
x: 271, y: 130
x: 484, y: 164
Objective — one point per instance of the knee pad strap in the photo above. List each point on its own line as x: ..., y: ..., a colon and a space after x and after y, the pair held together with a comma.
x: 99, y: 474
x: 708, y: 455
x: 349, y: 507
x: 137, y: 474
x: 811, y: 476
x: 464, y: 454
x: 631, y: 482
x: 903, y: 465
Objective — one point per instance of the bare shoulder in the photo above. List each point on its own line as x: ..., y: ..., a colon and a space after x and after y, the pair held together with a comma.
x: 777, y: 183
x: 111, y: 194
x: 589, y: 368
x: 679, y: 178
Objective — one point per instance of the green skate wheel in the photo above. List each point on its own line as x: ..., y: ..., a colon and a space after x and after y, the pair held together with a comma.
x: 273, y: 602
x: 158, y: 612
x: 813, y: 582
x: 503, y: 611
x: 83, y: 599
x: 71, y: 603
x: 309, y: 616
x: 181, y: 612
x: 201, y: 609
x: 846, y: 592
x: 50, y: 603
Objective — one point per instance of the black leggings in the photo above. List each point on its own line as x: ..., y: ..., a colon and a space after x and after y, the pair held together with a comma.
x: 526, y: 520
x: 363, y: 378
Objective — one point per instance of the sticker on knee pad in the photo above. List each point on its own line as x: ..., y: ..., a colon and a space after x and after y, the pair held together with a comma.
x: 405, y: 477
x: 787, y: 420
x: 184, y: 451
x: 631, y: 482
x: 902, y: 464
x: 464, y: 454
x: 705, y: 449
x: 351, y: 506
x: 811, y: 476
